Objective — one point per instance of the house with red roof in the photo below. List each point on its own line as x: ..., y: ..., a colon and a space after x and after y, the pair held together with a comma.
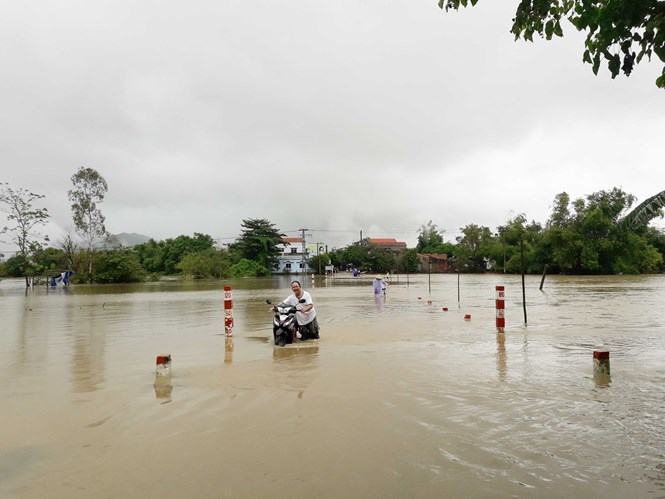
x: 390, y: 244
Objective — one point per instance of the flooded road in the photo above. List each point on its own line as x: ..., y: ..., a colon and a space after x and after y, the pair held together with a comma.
x: 398, y: 399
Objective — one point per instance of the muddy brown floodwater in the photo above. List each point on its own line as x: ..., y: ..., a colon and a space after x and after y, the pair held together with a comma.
x: 398, y: 399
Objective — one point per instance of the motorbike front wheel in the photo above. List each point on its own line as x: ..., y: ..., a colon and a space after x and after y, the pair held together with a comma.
x: 280, y: 337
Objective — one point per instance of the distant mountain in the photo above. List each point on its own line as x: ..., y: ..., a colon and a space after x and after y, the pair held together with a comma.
x: 125, y: 239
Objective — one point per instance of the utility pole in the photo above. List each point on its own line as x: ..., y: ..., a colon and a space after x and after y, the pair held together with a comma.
x: 303, y: 265
x: 360, y: 243
x: 318, y: 254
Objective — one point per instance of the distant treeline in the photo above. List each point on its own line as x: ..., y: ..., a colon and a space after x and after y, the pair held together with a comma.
x: 584, y: 236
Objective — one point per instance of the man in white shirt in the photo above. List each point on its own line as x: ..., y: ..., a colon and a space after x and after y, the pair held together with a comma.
x: 308, y: 327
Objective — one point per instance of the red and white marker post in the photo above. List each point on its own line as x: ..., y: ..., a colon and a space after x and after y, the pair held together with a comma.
x: 228, y: 311
x: 163, y: 365
x: 500, y: 308
x: 601, y: 362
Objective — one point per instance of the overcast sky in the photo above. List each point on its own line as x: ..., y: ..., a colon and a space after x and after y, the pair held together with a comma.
x: 338, y: 116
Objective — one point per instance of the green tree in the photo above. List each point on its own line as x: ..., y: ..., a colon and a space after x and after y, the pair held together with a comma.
x: 151, y: 255
x: 50, y: 260
x: 249, y: 268
x: 516, y: 235
x: 646, y: 211
x: 656, y: 238
x: 15, y: 266
x: 258, y: 241
x: 175, y: 249
x: 23, y: 218
x: 429, y: 238
x: 88, y: 191
x: 593, y: 239
x: 115, y: 266
x: 560, y: 212
x: 205, y: 264
x: 472, y: 247
x: 408, y: 261
x: 620, y: 32
x: 366, y: 258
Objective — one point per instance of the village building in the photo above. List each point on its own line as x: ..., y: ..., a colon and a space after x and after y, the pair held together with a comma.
x: 293, y: 256
x: 390, y: 244
x: 436, y: 263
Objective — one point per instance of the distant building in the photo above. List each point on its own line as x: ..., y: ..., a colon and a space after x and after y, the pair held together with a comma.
x: 390, y: 244
x: 293, y: 259
x: 437, y: 263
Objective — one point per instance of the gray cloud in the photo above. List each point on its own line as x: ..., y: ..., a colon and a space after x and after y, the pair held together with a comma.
x: 332, y: 115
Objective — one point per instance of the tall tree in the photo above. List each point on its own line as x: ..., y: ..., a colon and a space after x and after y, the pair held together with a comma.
x: 258, y: 241
x: 429, y: 238
x: 560, y: 213
x: 473, y: 247
x: 620, y: 32
x: 89, y: 189
x: 23, y: 217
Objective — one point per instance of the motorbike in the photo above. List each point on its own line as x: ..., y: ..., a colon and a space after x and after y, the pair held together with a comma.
x: 284, y: 324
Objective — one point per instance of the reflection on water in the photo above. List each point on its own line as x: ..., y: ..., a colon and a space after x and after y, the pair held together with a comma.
x: 379, y: 302
x: 88, y: 357
x: 397, y: 399
x: 601, y: 379
x: 163, y: 386
x: 300, y: 349
x: 228, y: 350
x: 501, y: 361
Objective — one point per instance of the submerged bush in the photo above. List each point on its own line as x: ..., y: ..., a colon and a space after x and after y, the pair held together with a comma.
x: 118, y: 266
x: 205, y: 264
x: 249, y: 268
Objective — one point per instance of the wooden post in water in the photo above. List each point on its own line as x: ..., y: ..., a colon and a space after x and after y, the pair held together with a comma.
x: 523, y: 287
x: 542, y: 279
x: 429, y: 274
x: 458, y: 302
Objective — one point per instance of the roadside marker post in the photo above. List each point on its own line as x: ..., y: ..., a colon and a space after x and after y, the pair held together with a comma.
x: 228, y: 311
x: 601, y: 362
x: 500, y: 308
x: 163, y: 365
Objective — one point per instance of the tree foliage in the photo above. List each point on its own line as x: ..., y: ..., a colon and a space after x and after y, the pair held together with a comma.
x: 23, y: 217
x: 645, y: 211
x: 249, y: 268
x: 430, y: 240
x: 206, y: 264
x: 121, y: 265
x: 365, y: 257
x: 619, y: 32
x: 408, y: 261
x: 258, y: 242
x: 473, y: 247
x: 165, y: 256
x: 88, y: 191
x: 592, y: 239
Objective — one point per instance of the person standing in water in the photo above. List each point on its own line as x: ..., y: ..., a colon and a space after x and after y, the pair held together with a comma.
x: 308, y: 327
x: 379, y: 285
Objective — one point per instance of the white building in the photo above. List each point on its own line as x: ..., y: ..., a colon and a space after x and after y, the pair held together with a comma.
x: 293, y: 259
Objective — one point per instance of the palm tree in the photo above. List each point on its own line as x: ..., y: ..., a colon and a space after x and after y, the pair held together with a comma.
x: 645, y: 211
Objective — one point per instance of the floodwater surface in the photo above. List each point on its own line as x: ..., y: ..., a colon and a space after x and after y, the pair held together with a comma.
x: 398, y: 399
